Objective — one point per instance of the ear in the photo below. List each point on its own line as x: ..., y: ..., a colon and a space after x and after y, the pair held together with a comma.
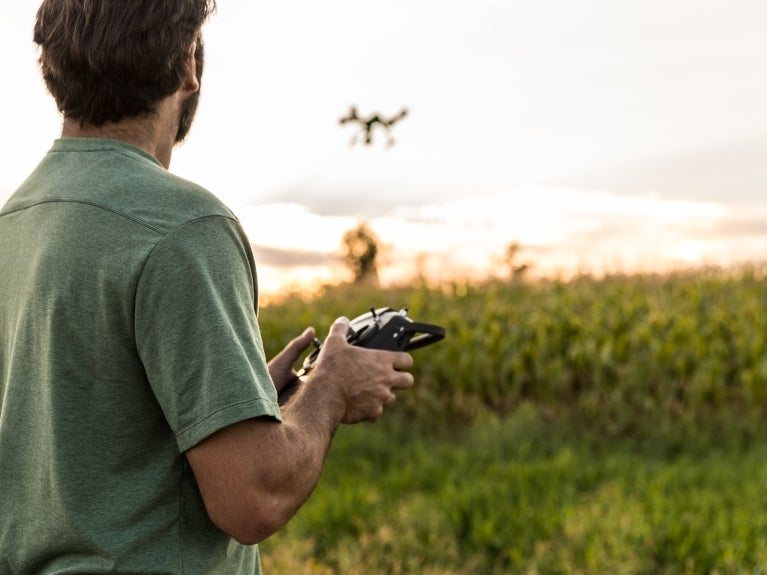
x: 193, y: 77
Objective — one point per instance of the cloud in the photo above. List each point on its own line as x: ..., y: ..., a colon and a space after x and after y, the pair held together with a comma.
x: 361, y: 200
x: 290, y: 258
x: 560, y: 230
x: 741, y: 223
x: 734, y: 173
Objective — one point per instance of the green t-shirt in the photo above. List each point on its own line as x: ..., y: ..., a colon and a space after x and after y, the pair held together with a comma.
x: 128, y: 334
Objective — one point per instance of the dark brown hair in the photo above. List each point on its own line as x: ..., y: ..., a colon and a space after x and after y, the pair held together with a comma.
x: 105, y: 60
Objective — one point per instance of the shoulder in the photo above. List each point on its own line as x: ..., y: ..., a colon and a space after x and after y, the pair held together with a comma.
x: 119, y: 178
x: 165, y: 200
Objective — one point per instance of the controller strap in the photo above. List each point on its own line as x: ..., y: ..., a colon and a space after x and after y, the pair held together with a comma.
x: 427, y: 334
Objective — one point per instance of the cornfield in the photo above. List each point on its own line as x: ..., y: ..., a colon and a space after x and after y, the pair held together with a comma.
x: 622, y: 353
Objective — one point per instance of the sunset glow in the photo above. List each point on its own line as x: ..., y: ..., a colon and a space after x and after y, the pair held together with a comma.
x: 602, y: 136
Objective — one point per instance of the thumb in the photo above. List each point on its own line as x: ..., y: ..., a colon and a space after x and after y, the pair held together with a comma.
x: 339, y: 328
x: 303, y: 340
x: 294, y: 348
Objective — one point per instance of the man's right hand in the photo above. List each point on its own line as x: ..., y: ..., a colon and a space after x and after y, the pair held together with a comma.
x: 364, y: 380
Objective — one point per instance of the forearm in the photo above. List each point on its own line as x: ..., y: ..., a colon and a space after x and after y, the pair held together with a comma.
x: 298, y: 457
x: 254, y: 475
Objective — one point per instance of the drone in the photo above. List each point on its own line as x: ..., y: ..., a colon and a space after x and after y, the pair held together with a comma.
x: 367, y: 125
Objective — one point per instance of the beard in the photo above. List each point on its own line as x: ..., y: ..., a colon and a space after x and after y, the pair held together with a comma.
x: 189, y: 107
x: 186, y: 116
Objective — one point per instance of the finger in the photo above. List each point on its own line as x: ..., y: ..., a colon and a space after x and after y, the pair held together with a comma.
x: 402, y: 361
x: 339, y: 328
x: 292, y: 351
x: 297, y: 345
x: 404, y: 380
x: 304, y: 340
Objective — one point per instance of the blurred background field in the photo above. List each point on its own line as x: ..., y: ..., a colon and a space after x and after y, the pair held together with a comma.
x: 612, y: 425
x: 588, y: 425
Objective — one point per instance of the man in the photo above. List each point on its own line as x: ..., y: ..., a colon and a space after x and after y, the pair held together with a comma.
x: 139, y: 423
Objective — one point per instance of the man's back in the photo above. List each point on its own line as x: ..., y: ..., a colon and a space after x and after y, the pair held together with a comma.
x: 95, y: 411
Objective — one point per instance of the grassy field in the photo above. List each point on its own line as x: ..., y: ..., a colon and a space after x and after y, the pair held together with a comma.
x: 590, y: 427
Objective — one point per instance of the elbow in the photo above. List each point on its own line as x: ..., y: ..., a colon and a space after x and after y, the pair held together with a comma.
x: 251, y: 524
x: 254, y: 533
x: 249, y: 535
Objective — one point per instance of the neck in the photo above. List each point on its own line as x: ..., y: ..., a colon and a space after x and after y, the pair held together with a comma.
x: 154, y: 133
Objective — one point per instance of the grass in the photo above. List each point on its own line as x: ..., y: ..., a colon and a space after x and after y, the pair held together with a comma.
x: 596, y: 426
x: 525, y: 495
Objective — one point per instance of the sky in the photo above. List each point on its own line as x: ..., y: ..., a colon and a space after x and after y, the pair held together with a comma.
x: 601, y: 135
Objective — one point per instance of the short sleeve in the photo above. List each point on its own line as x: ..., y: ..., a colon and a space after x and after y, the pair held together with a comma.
x: 197, y: 333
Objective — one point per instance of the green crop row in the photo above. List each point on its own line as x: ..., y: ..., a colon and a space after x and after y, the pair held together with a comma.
x: 622, y: 353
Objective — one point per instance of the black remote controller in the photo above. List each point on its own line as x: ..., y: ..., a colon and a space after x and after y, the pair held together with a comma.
x: 384, y: 328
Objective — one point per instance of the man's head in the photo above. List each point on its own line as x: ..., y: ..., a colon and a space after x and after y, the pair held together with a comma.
x: 108, y: 60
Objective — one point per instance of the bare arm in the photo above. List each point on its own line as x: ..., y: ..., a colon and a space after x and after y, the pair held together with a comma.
x: 254, y: 475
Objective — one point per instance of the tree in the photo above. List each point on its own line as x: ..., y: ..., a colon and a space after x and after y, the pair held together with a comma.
x: 516, y: 269
x: 360, y: 251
